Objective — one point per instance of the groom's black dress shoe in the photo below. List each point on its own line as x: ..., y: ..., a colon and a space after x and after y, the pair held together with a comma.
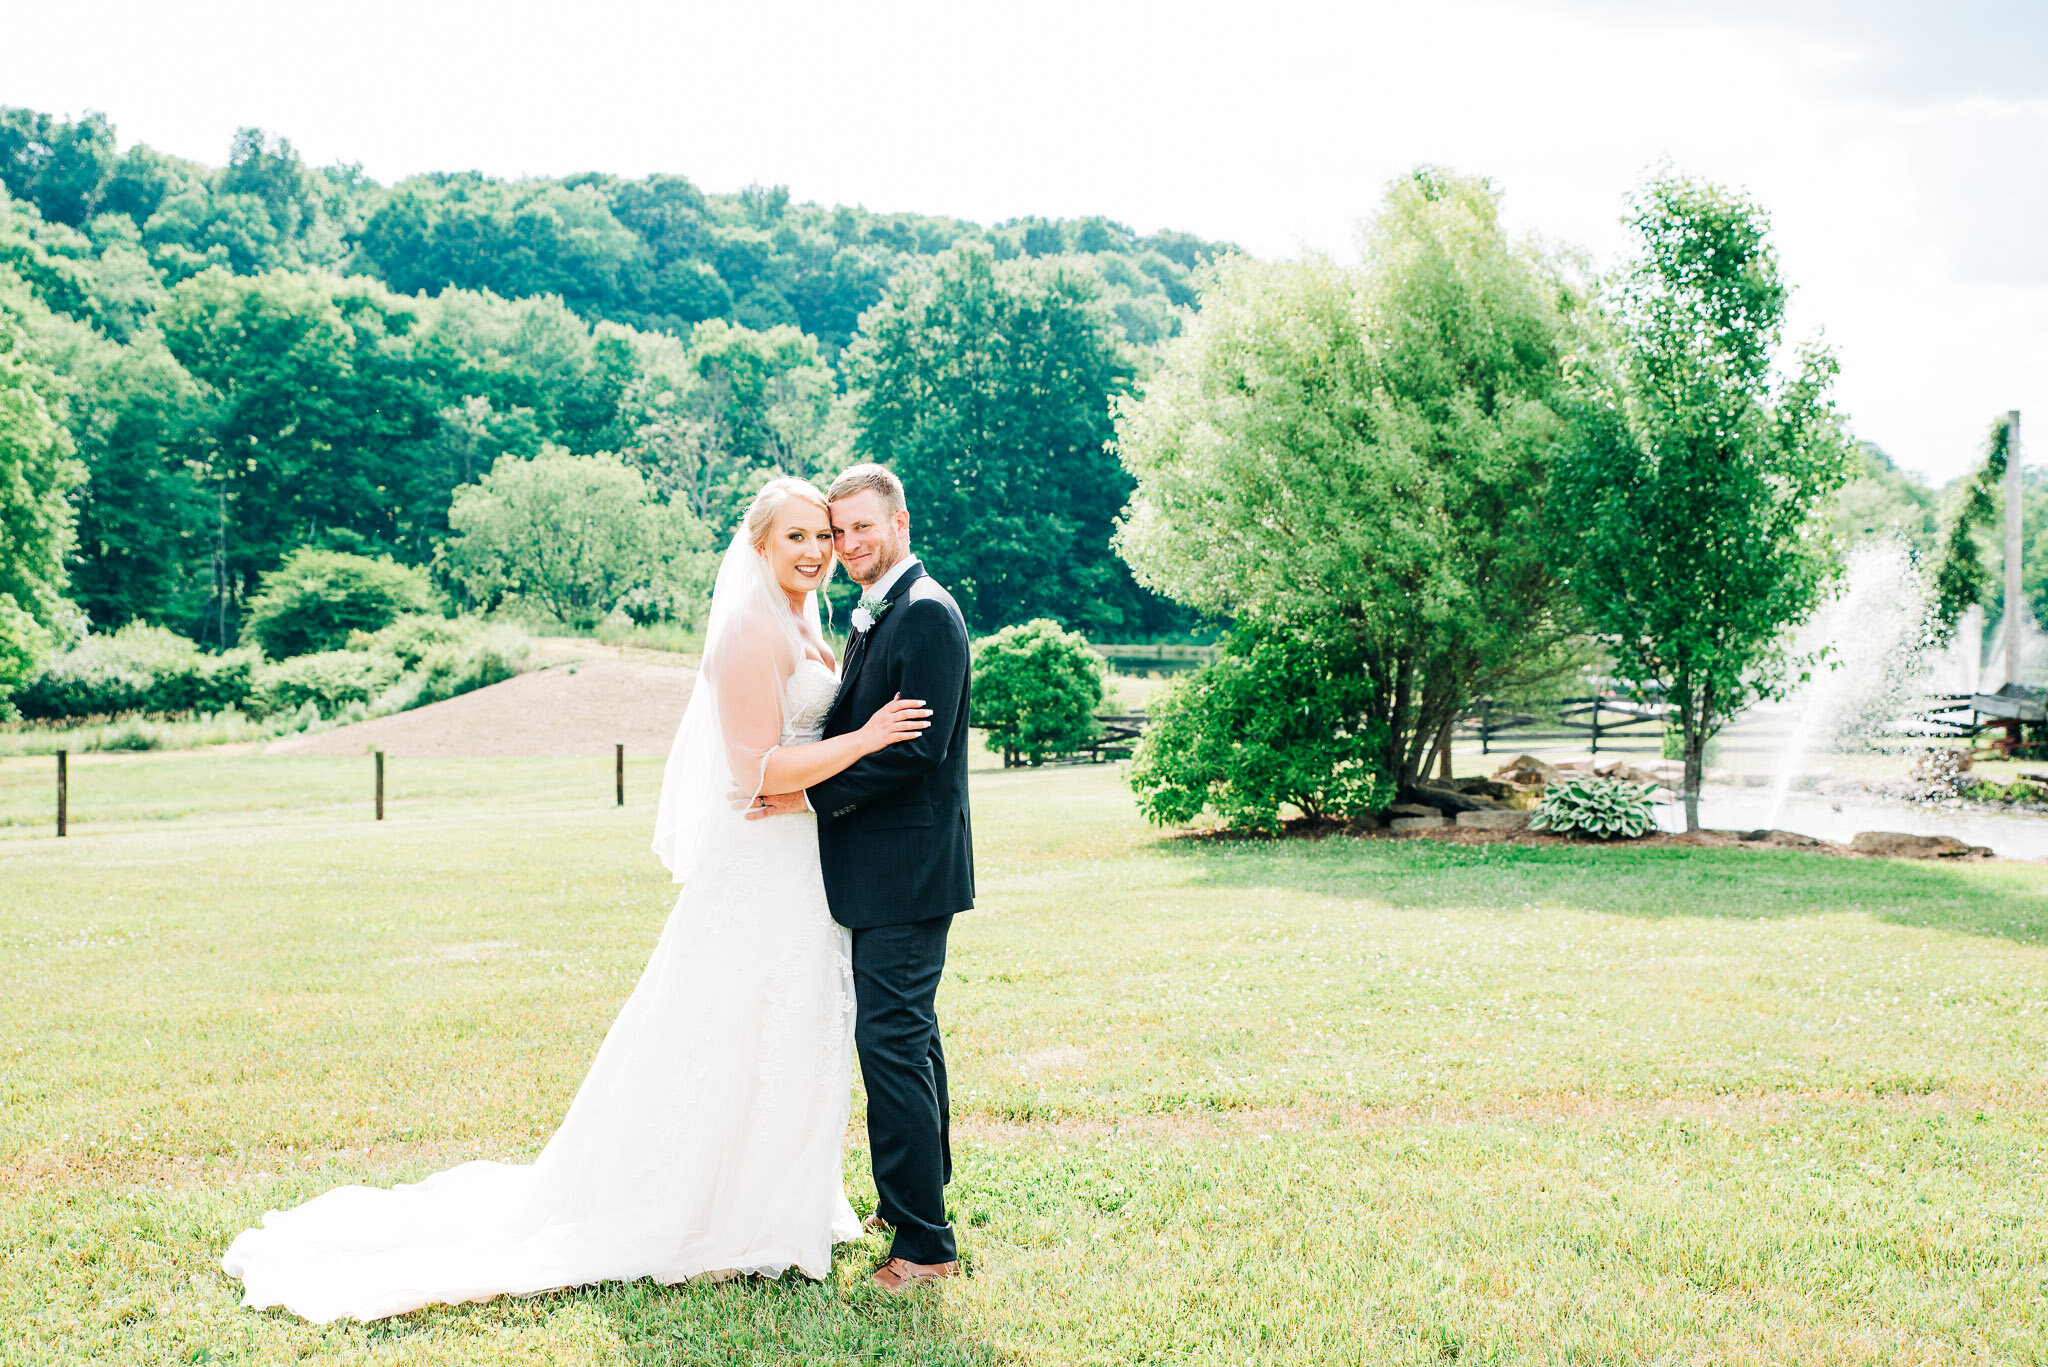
x: 899, y: 1275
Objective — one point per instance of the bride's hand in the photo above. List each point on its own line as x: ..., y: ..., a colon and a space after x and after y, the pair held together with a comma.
x: 898, y: 719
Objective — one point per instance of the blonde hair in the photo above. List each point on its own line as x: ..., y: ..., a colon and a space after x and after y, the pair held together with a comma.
x: 855, y: 478
x: 776, y: 492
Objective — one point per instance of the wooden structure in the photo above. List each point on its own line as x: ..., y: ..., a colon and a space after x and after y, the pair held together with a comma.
x: 1119, y: 734
x: 2009, y: 708
x: 1586, y: 719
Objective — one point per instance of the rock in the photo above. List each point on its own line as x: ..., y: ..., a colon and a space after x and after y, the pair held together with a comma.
x: 1895, y: 845
x: 1507, y: 820
x: 1400, y: 809
x: 1524, y: 770
x: 1623, y: 770
x: 1789, y: 840
x: 1485, y: 787
x: 1446, y: 799
x: 1432, y: 822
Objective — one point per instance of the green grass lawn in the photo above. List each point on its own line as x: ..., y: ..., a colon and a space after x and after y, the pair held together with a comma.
x: 1346, y: 1101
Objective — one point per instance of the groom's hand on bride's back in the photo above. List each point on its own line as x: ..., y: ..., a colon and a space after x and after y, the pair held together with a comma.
x: 775, y: 804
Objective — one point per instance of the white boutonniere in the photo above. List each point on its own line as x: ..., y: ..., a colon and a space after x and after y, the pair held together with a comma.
x: 868, y: 612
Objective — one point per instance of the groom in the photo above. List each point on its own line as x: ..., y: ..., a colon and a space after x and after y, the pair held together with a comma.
x: 898, y: 858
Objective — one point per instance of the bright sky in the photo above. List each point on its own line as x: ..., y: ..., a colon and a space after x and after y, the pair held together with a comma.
x: 1901, y: 145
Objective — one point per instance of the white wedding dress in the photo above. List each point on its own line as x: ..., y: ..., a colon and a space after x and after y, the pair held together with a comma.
x: 705, y: 1139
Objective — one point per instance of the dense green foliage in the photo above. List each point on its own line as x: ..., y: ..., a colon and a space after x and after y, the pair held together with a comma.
x: 1882, y: 502
x: 1606, y: 807
x: 330, y: 681
x: 1371, y: 447
x: 1285, y: 716
x: 657, y: 254
x: 1971, y: 531
x: 36, y: 471
x: 316, y: 599
x: 1699, y: 480
x: 986, y: 385
x: 138, y: 668
x: 265, y: 355
x: 576, y: 538
x: 1036, y: 689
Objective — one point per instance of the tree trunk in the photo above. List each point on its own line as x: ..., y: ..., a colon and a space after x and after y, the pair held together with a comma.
x: 1696, y: 716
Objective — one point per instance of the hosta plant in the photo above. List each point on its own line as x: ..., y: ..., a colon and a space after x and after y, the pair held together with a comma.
x: 1606, y: 807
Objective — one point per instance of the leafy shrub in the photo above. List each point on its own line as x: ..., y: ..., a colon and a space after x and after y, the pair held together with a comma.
x: 416, y: 635
x: 139, y: 668
x: 456, y: 667
x: 1036, y: 687
x: 329, y: 681
x: 1596, y: 806
x: 1282, y: 717
x: 316, y: 599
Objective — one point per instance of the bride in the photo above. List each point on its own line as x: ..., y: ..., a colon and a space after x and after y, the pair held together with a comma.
x: 706, y: 1139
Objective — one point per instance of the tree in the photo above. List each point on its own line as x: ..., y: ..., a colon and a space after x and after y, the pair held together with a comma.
x: 1961, y: 579
x: 573, y: 537
x: 36, y: 471
x: 315, y: 599
x: 321, y: 419
x: 711, y: 422
x: 1699, y: 479
x: 1285, y: 716
x: 986, y: 387
x: 1369, y: 450
x: 1036, y: 688
x: 60, y: 166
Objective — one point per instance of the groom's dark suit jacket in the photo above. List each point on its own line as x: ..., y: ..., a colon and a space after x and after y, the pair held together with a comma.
x: 893, y: 832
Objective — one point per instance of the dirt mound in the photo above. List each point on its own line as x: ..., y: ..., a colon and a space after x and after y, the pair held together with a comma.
x: 581, y: 708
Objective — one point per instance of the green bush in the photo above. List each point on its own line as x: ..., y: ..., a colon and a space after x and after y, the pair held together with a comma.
x: 330, y: 681
x: 316, y: 599
x: 1282, y: 717
x: 1605, y: 807
x: 479, y: 659
x: 139, y: 668
x: 415, y: 636
x: 1036, y: 688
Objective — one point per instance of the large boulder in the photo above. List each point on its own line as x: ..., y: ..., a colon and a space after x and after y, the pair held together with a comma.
x: 1623, y: 770
x: 1446, y: 798
x: 1895, y: 845
x: 1485, y: 787
x: 1401, y: 809
x: 1525, y: 771
x: 1403, y: 824
x: 1506, y: 820
x: 1787, y: 840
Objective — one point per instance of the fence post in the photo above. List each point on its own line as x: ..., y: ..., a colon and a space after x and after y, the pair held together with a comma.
x: 619, y: 770
x: 380, y: 785
x: 1486, y: 727
x: 63, y: 791
x: 1596, y: 725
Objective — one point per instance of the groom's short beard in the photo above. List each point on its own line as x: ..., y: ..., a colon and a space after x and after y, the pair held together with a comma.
x: 877, y: 566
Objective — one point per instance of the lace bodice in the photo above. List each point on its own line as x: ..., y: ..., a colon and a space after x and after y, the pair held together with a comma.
x: 806, y: 699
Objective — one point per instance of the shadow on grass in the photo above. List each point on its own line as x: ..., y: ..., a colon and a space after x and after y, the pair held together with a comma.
x: 2007, y: 900
x: 749, y: 1320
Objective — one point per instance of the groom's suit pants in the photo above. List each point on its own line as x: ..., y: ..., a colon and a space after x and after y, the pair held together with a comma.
x: 896, y: 973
